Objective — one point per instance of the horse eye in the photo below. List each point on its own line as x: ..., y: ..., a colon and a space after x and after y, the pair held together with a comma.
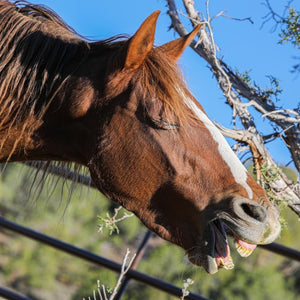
x: 162, y: 124
x: 155, y: 115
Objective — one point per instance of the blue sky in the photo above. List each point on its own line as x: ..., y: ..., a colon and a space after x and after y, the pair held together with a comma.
x: 243, y: 45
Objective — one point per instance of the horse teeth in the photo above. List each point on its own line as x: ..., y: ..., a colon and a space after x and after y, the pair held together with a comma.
x: 228, y: 265
x: 244, y: 252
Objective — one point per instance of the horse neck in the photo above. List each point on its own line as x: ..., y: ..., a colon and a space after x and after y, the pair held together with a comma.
x: 58, y: 130
x: 50, y: 134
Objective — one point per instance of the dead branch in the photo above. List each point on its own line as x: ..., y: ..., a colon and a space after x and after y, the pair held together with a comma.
x: 234, y: 88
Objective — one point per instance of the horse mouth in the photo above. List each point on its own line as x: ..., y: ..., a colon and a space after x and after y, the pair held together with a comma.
x: 219, y: 250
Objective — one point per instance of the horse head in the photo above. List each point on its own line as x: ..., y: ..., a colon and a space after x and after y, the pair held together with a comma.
x: 159, y: 155
x: 122, y: 109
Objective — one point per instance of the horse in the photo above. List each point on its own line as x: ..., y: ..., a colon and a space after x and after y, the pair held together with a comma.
x: 121, y: 108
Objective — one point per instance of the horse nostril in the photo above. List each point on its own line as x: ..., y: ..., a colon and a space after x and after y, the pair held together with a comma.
x: 256, y: 212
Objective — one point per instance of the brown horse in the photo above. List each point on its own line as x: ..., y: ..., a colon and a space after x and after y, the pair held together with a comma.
x: 121, y: 108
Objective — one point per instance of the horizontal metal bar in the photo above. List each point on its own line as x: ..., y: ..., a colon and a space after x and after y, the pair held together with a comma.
x: 282, y: 250
x: 96, y: 259
x: 12, y: 295
x: 61, y: 172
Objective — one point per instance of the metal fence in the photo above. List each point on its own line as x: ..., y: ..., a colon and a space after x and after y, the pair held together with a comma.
x: 132, y: 274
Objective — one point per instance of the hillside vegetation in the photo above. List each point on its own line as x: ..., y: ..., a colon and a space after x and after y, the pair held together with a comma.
x: 45, y: 273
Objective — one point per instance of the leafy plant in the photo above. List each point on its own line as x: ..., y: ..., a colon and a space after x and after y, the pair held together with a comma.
x: 110, y: 222
x: 291, y: 28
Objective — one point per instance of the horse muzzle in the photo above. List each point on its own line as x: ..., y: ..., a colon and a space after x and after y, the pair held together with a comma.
x: 252, y: 222
x: 249, y: 223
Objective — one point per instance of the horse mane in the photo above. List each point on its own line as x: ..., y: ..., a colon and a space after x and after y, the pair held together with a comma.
x: 36, y: 47
x: 161, y: 79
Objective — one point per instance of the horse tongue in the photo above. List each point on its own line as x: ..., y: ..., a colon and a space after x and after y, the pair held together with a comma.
x: 222, y: 250
x: 244, y: 248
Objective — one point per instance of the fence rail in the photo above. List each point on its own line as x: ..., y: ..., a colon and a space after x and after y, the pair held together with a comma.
x: 12, y: 295
x: 96, y: 259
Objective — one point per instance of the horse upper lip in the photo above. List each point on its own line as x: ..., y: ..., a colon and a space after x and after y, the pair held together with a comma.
x: 252, y: 222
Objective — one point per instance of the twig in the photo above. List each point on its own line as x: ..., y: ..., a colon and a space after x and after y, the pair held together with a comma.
x: 271, y: 15
x: 104, y: 292
x: 110, y: 222
x: 101, y: 288
x: 186, y: 284
x: 238, y: 19
x: 124, y: 270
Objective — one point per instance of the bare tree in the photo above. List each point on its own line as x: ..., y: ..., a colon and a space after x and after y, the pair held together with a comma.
x: 240, y: 95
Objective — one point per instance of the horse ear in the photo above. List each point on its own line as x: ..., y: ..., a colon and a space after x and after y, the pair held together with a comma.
x: 175, y: 48
x: 141, y: 43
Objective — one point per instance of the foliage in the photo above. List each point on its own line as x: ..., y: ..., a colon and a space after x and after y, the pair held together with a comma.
x: 186, y: 284
x: 38, y: 270
x: 270, y: 174
x: 110, y: 222
x: 273, y: 91
x: 290, y: 33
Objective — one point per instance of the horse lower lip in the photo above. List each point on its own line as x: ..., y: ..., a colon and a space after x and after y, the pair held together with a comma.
x: 212, y: 266
x: 221, y: 248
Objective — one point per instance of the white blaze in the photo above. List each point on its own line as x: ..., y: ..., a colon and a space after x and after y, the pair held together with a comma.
x: 238, y: 170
